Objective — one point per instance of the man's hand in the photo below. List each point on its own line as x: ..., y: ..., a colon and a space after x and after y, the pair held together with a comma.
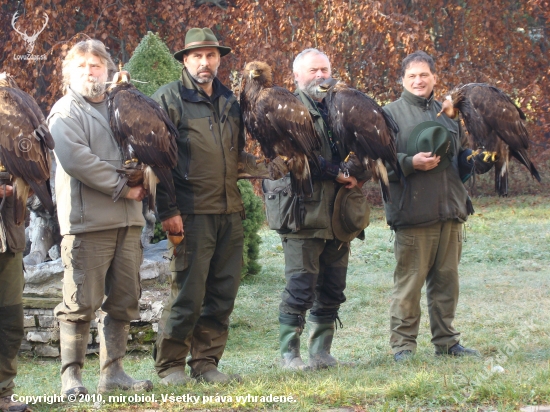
x: 448, y: 108
x: 136, y: 193
x: 173, y: 225
x: 8, y: 192
x: 349, y: 182
x: 425, y: 161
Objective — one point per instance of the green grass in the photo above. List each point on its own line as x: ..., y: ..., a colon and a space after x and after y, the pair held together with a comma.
x: 504, y: 312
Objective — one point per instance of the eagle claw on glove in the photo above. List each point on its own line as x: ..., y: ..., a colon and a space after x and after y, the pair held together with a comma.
x: 132, y: 172
x: 352, y: 166
x: 483, y: 162
x: 277, y: 168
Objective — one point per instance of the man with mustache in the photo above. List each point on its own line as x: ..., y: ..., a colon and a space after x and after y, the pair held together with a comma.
x: 206, y: 268
x: 315, y: 260
x: 101, y: 248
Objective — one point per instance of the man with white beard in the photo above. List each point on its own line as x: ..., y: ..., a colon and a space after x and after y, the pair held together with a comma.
x: 101, y: 249
x: 316, y: 260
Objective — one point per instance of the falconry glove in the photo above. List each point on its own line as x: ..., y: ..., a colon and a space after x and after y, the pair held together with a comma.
x: 277, y: 168
x: 352, y: 166
x: 483, y: 162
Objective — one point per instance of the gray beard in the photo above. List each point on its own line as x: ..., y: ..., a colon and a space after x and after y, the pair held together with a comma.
x: 92, y: 91
x: 203, y: 80
x: 311, y: 89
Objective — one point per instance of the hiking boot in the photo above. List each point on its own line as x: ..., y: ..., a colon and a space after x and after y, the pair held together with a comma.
x: 6, y: 404
x: 73, y: 342
x: 113, y: 336
x: 456, y: 350
x: 403, y: 355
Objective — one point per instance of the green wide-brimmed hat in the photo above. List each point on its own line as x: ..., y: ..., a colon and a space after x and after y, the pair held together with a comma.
x: 435, y: 138
x: 351, y: 214
x: 197, y: 38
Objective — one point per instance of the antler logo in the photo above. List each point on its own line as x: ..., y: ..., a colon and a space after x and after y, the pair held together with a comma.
x: 31, y: 40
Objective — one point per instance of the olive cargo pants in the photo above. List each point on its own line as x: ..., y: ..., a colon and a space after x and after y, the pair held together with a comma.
x: 430, y: 255
x: 101, y: 271
x: 11, y: 318
x: 206, y: 273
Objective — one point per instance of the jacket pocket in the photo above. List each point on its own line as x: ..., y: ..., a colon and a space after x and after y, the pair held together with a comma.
x: 315, y: 214
x: 278, y: 204
x: 70, y: 250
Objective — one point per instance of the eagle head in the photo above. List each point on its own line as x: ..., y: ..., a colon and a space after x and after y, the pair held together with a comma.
x: 260, y: 72
x: 327, y: 85
x: 6, y: 80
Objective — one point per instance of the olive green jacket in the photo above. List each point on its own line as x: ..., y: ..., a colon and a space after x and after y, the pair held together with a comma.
x: 428, y: 197
x: 12, y: 237
x: 210, y: 149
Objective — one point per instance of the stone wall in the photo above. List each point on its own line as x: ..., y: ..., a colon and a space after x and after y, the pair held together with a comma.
x: 43, y: 291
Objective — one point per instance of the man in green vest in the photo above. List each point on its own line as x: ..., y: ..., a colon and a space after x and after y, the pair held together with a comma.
x: 316, y: 260
x: 428, y: 213
x: 206, y: 267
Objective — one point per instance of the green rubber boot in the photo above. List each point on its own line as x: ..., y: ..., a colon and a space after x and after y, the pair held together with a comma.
x: 291, y: 327
x: 73, y: 342
x: 320, y: 341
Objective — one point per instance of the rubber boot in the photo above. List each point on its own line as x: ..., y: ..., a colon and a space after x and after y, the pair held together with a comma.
x: 113, y: 336
x: 73, y: 341
x: 290, y: 329
x: 320, y: 341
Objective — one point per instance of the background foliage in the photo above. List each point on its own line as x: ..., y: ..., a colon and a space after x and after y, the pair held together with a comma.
x: 504, y: 42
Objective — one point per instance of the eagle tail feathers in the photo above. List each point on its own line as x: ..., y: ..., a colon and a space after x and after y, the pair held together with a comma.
x: 164, y: 176
x: 20, y: 194
x: 44, y: 194
x: 521, y: 156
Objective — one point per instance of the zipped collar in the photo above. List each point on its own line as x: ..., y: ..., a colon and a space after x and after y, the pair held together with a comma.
x: 415, y: 100
x: 82, y: 102
x: 193, y: 93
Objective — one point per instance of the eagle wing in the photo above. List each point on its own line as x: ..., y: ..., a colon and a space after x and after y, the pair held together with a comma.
x: 288, y: 119
x: 140, y: 121
x: 25, y: 142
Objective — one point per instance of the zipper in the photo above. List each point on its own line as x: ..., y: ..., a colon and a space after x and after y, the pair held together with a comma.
x: 212, y: 129
x: 188, y: 158
x: 81, y: 201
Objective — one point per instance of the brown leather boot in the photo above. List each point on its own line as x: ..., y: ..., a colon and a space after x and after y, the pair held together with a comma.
x: 6, y: 404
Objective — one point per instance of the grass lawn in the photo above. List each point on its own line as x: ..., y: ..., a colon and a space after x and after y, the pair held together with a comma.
x: 504, y: 312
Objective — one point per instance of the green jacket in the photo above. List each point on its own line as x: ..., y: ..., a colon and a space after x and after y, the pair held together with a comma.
x: 428, y: 197
x: 210, y: 142
x: 12, y: 238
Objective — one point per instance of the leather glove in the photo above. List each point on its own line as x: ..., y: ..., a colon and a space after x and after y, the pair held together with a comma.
x: 277, y: 168
x: 352, y: 166
x: 133, y: 173
x: 483, y: 162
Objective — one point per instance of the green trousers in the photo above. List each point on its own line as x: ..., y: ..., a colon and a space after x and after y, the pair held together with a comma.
x: 425, y: 255
x: 315, y: 272
x: 101, y: 271
x: 11, y: 318
x: 206, y: 273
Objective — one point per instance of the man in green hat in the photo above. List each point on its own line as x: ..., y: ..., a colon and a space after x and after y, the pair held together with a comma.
x: 207, y: 264
x: 428, y: 213
x: 316, y: 260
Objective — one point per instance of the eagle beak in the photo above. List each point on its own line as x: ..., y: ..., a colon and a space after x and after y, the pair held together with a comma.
x: 124, y: 78
x: 254, y: 74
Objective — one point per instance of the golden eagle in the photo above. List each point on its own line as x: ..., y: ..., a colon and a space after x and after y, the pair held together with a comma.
x: 146, y: 136
x: 281, y: 123
x: 495, y: 126
x: 25, y: 141
x: 364, y: 128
